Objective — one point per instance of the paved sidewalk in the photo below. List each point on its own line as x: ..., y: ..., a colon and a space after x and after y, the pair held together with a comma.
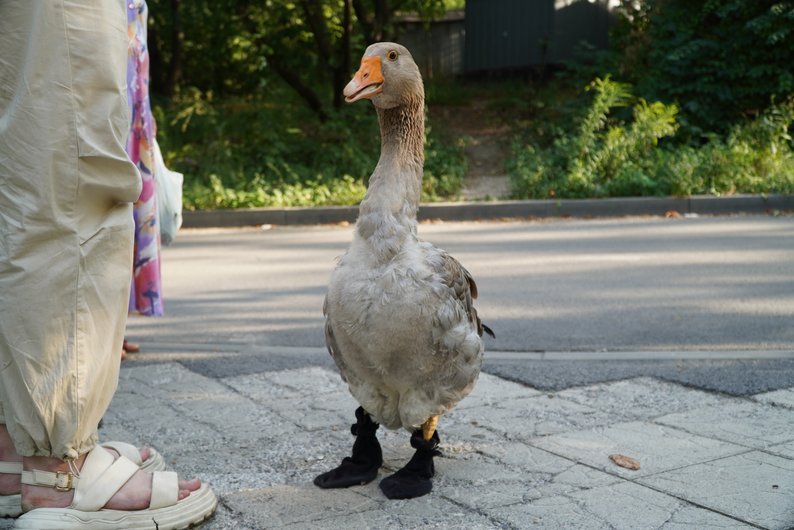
x: 514, y: 457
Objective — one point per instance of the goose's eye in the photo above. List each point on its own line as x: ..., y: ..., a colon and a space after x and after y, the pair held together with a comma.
x: 392, y: 55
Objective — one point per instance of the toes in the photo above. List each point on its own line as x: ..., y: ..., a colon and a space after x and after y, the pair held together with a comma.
x: 186, y: 487
x: 145, y: 453
x: 189, y: 485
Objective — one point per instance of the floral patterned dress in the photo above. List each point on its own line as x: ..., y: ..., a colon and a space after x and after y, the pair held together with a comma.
x: 146, y: 294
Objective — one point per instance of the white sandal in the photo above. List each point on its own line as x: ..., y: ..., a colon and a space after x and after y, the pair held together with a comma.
x: 11, y: 505
x: 101, y: 477
x: 155, y: 461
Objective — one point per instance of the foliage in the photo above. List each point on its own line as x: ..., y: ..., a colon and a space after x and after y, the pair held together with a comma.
x: 756, y: 156
x: 237, y: 47
x: 251, y: 152
x: 721, y: 60
x: 602, y: 156
x: 445, y: 167
x: 608, y: 156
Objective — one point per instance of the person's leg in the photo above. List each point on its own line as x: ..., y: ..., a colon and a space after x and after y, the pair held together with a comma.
x: 65, y: 220
x: 66, y: 188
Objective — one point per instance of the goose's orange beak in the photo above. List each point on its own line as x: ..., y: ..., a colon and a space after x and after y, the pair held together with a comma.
x: 367, y: 82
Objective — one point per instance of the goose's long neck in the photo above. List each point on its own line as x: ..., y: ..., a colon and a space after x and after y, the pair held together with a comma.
x: 387, y: 215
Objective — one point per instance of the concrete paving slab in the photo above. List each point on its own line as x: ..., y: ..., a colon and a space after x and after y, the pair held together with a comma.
x: 416, y: 514
x: 459, y: 434
x: 476, y: 483
x: 552, y: 513
x: 158, y: 423
x: 526, y: 418
x: 617, y: 506
x: 267, y: 387
x: 491, y: 488
x: 631, y: 506
x: 317, y: 414
x: 658, y: 448
x: 311, y: 398
x: 529, y: 459
x: 171, y: 380
x: 641, y: 398
x: 783, y: 397
x: 515, y: 457
x: 754, y: 487
x: 285, y: 504
x: 755, y: 425
x: 785, y: 450
x: 491, y: 390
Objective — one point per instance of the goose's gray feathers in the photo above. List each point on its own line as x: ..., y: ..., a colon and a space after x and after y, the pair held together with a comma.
x: 405, y: 335
x: 400, y: 323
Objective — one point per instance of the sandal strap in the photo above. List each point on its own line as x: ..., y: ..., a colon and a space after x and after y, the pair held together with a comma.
x: 101, y: 477
x: 11, y: 468
x: 165, y: 489
x: 124, y: 449
x: 60, y: 480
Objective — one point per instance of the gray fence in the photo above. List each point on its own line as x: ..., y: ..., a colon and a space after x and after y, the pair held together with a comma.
x: 494, y: 35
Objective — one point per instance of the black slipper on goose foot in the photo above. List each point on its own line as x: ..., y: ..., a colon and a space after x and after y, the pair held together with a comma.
x: 414, y: 480
x: 362, y: 467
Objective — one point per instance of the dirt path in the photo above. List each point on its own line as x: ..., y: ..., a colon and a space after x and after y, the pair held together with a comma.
x: 487, y: 147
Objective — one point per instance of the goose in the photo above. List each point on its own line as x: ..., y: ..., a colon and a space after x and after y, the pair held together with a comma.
x: 399, y: 319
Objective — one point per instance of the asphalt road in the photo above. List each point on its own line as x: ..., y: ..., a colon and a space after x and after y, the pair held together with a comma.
x: 646, y: 285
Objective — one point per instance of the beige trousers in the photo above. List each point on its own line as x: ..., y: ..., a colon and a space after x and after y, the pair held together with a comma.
x: 66, y: 226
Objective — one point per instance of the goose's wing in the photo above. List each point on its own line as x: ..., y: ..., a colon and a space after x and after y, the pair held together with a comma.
x: 457, y: 278
x: 331, y: 344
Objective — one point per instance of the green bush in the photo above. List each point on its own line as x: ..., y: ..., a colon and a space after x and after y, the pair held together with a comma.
x: 248, y: 152
x: 602, y: 156
x: 605, y: 156
x: 721, y: 61
x: 756, y: 157
x: 445, y: 167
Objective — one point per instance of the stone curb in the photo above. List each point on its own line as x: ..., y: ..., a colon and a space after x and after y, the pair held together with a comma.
x: 472, y: 211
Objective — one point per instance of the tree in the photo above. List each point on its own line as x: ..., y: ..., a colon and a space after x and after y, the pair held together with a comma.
x: 227, y: 45
x: 721, y: 60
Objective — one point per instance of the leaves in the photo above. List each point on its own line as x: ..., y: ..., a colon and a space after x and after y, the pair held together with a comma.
x: 607, y: 156
x: 719, y: 59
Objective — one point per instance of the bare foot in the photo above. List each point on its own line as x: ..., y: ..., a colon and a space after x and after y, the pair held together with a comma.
x: 134, y: 495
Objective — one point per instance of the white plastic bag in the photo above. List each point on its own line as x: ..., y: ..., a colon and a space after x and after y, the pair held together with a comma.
x: 168, y: 187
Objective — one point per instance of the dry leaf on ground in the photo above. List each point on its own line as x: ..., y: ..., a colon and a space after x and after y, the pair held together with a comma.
x: 625, y: 461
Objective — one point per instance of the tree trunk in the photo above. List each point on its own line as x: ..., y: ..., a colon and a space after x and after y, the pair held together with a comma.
x: 175, y: 68
x: 364, y: 21
x: 157, y: 68
x: 381, y: 19
x: 297, y: 84
x: 342, y: 71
